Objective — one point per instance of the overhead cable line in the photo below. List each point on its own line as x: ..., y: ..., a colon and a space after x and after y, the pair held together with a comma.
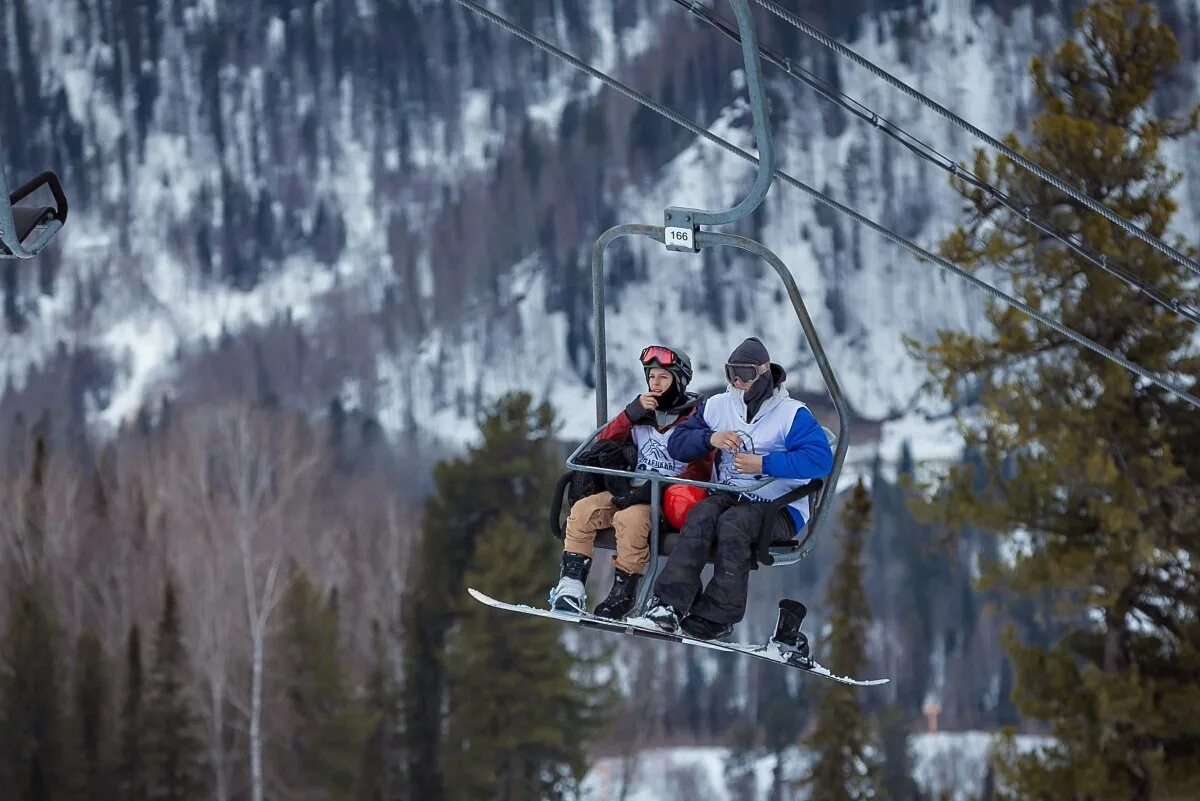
x: 1025, y: 164
x: 912, y: 247
x: 930, y: 154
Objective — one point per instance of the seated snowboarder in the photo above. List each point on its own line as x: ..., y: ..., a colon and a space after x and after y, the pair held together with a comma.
x: 646, y: 421
x: 756, y: 430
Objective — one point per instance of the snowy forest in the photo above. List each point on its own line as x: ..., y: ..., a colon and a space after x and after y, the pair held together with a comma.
x: 305, y: 362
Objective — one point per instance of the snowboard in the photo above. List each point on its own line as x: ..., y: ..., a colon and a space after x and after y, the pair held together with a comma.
x: 641, y: 627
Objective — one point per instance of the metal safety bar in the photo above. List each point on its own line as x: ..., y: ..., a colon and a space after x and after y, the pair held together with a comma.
x: 648, y: 474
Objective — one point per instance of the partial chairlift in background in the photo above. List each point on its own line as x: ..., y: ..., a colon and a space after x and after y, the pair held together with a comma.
x: 26, y: 224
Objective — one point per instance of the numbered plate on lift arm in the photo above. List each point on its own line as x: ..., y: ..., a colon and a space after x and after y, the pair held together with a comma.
x: 679, y: 232
x: 680, y: 239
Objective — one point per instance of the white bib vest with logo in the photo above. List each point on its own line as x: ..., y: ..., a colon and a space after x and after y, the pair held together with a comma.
x: 767, y: 434
x: 652, y: 451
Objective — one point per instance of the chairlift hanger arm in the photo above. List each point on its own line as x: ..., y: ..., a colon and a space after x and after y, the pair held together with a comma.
x: 681, y: 223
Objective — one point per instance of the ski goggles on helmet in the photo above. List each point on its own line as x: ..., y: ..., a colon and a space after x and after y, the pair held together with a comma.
x: 659, y: 353
x: 744, y: 372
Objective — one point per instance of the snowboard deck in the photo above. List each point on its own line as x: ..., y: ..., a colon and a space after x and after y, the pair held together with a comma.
x: 641, y: 627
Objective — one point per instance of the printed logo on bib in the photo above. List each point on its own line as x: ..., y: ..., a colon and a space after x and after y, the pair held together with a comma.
x: 653, y: 456
x: 727, y: 473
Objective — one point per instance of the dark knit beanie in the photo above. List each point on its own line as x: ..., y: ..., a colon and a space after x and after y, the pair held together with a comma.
x: 751, y: 351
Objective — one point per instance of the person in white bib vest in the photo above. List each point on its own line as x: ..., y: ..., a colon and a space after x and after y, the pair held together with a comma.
x: 755, y: 430
x: 646, y: 422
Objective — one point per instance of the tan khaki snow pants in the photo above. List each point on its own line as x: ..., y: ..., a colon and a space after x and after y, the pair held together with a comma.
x: 632, y: 524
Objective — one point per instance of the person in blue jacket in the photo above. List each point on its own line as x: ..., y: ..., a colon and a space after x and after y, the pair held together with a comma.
x: 755, y: 430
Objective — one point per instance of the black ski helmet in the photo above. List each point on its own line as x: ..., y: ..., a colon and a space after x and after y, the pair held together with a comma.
x: 679, y: 364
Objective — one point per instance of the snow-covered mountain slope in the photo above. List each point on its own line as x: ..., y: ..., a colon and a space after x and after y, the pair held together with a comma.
x: 406, y: 187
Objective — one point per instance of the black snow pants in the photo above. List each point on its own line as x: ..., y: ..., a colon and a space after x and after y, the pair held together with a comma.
x: 734, y: 526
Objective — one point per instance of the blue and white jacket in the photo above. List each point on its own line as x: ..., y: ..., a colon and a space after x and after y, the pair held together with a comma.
x: 793, y: 446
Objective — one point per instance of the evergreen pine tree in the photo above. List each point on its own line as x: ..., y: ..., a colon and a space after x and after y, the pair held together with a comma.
x: 1097, y: 470
x: 382, y: 776
x: 327, y: 728
x: 131, y: 769
x: 31, y: 763
x: 510, y: 472
x: 740, y: 778
x: 845, y: 753
x: 91, y: 725
x: 781, y: 715
x: 897, y: 768
x: 520, y: 722
x: 172, y: 748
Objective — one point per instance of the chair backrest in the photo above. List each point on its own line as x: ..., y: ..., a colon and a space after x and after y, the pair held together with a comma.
x: 816, y: 496
x: 28, y: 218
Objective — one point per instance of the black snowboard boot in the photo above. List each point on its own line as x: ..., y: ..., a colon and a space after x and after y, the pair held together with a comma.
x: 792, y: 642
x: 704, y: 629
x: 570, y: 594
x: 663, y: 616
x: 621, y: 597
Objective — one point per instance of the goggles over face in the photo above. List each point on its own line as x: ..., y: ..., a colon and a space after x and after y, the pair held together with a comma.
x: 744, y: 372
x: 659, y: 353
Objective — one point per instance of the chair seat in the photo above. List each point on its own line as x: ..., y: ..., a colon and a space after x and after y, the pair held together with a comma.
x: 785, y: 551
x: 606, y: 539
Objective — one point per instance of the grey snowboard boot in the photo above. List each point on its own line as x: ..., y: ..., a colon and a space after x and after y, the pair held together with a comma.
x: 792, y: 642
x: 570, y: 594
x: 621, y: 597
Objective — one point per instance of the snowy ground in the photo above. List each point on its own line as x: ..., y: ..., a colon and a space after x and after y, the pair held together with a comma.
x: 946, y: 765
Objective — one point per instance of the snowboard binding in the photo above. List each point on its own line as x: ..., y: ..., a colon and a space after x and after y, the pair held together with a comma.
x: 791, y: 642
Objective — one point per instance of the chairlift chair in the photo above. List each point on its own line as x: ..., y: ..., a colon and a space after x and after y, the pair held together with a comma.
x: 681, y: 232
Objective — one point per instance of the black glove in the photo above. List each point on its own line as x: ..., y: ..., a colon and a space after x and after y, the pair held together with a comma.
x: 635, y: 411
x: 617, y: 485
x: 632, y: 498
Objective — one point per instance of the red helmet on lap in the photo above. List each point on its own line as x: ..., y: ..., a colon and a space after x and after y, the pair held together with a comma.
x: 678, y: 500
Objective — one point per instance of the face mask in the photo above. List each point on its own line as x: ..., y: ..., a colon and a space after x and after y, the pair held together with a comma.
x: 669, y: 399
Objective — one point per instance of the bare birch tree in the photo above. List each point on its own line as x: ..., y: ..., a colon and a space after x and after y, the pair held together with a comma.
x: 250, y: 478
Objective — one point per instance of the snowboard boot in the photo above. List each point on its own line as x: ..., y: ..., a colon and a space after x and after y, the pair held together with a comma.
x: 792, y: 642
x: 704, y: 629
x: 663, y: 616
x: 570, y: 594
x: 621, y: 597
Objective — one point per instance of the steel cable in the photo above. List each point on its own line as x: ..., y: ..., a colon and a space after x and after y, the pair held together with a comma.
x: 1047, y: 176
